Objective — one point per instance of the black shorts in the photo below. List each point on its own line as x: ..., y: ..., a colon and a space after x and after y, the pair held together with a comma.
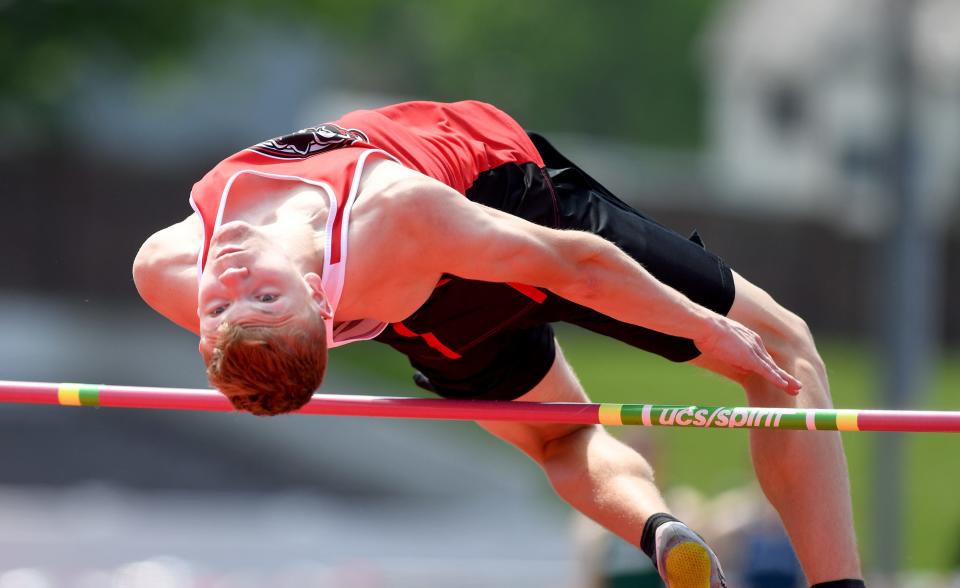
x: 474, y: 339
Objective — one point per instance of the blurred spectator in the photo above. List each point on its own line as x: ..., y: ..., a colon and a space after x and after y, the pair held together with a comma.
x: 769, y: 558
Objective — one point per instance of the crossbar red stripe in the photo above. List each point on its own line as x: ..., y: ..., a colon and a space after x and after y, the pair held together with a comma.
x: 908, y: 421
x: 321, y: 404
x: 429, y: 408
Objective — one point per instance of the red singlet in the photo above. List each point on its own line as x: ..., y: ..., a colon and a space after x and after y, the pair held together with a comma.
x: 452, y: 143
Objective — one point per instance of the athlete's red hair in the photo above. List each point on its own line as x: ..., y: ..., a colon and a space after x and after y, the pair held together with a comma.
x: 268, y: 370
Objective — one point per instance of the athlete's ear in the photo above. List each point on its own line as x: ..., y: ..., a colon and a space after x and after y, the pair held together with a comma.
x: 205, y: 349
x: 319, y: 295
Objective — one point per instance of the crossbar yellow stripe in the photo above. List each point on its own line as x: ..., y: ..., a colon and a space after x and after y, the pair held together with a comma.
x: 69, y: 394
x: 847, y: 420
x: 610, y: 414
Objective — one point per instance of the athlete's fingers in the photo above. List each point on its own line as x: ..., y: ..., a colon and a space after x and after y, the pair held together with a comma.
x: 745, y: 351
x: 794, y: 385
x: 790, y: 385
x: 770, y: 374
x: 777, y: 375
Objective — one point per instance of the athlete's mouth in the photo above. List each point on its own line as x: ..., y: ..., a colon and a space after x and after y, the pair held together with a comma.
x: 227, y: 251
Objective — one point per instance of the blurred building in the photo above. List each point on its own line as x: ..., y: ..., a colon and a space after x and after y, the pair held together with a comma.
x: 800, y: 106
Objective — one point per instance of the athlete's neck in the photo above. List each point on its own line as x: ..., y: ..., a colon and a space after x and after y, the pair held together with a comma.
x: 261, y: 200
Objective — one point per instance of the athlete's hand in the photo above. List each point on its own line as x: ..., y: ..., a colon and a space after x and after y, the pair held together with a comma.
x: 740, y: 348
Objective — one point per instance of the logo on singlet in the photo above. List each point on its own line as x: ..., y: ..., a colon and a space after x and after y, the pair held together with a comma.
x: 310, y: 141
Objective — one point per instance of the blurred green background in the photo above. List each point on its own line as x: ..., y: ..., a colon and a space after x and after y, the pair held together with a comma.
x: 621, y: 69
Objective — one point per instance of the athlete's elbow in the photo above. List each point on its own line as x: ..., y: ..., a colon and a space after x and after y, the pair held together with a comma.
x: 144, y: 268
x: 139, y: 272
x: 142, y: 278
x: 587, y: 285
x: 586, y: 269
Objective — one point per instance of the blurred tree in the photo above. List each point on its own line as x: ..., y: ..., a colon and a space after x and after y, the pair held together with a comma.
x: 44, y: 43
x: 626, y: 69
x: 613, y: 67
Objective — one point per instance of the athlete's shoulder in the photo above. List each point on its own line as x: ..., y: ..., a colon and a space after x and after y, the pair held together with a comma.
x: 165, y: 271
x: 392, y: 195
x: 386, y: 180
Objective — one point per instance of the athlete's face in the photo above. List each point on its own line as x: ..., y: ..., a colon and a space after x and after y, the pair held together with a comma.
x: 248, y: 279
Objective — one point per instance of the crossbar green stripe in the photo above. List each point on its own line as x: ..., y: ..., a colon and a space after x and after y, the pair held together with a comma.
x: 89, y: 395
x: 631, y: 414
x: 793, y: 421
x: 825, y: 420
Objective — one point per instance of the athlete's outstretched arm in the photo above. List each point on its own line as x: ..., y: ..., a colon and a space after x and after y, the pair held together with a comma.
x: 473, y: 241
x: 165, y: 272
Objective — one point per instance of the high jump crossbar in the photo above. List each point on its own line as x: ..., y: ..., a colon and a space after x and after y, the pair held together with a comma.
x: 722, y: 417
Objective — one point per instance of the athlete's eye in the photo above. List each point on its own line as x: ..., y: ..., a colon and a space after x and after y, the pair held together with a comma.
x: 217, y: 310
x: 267, y: 298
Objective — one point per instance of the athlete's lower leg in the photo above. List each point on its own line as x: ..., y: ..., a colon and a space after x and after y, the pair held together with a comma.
x: 589, y: 468
x: 610, y: 483
x: 803, y: 474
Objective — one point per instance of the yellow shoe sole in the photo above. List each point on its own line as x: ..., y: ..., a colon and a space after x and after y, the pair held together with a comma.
x: 688, y: 565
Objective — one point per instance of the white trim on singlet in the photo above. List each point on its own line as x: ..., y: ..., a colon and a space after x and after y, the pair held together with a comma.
x: 203, y: 236
x: 337, y: 271
x: 334, y: 274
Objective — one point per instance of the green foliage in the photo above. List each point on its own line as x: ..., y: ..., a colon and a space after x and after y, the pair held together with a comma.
x: 42, y: 43
x: 627, y: 69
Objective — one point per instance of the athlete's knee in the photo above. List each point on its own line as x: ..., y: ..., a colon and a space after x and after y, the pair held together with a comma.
x: 788, y: 337
x: 803, y: 347
x: 784, y: 333
x: 792, y: 346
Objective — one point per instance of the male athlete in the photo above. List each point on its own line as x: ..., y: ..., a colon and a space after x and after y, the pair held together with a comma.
x: 450, y: 234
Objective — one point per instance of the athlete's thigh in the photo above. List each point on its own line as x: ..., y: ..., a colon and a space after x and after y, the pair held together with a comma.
x: 559, y: 385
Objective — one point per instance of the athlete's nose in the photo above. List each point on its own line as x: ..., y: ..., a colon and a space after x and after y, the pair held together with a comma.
x: 234, y: 276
